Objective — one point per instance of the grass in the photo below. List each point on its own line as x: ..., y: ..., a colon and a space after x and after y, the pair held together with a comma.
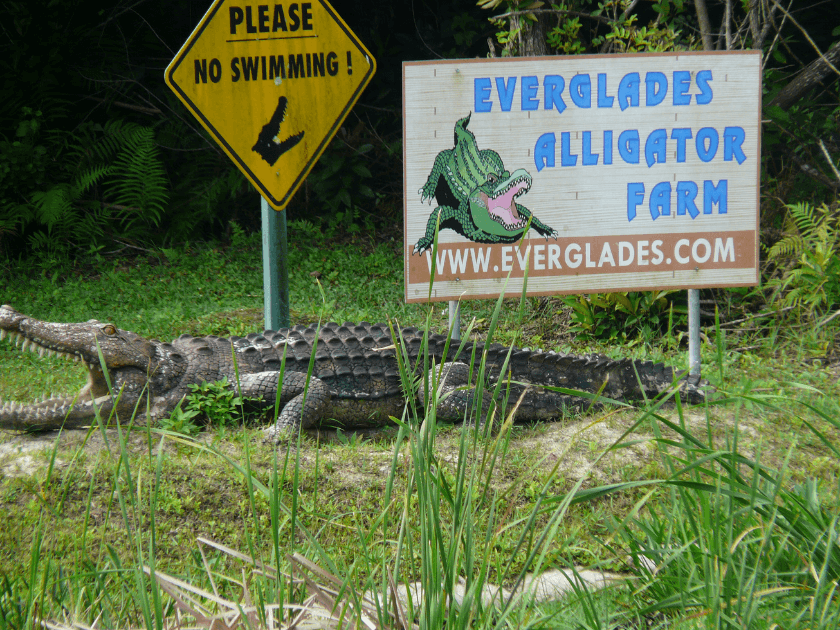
x: 720, y: 517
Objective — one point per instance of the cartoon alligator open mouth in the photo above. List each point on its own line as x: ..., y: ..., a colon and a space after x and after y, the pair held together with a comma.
x: 500, y: 202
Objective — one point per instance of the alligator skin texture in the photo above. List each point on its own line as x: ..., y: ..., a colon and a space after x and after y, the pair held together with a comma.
x: 334, y: 375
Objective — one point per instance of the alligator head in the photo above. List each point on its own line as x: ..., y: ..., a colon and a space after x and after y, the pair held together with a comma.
x: 493, y: 203
x: 491, y: 190
x: 135, y: 367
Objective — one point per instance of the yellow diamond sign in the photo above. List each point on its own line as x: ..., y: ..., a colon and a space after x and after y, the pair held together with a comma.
x: 272, y: 83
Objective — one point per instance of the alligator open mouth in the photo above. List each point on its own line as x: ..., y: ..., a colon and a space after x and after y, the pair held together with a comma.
x: 48, y: 410
x: 502, y: 206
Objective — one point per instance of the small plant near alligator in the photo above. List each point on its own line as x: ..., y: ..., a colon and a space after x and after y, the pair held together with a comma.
x: 216, y: 403
x: 181, y: 421
x: 209, y: 404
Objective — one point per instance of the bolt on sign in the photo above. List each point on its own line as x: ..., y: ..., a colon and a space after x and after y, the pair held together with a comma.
x: 594, y: 173
x: 272, y: 83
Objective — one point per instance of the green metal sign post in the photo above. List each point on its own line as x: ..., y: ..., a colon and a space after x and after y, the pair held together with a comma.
x: 275, y: 268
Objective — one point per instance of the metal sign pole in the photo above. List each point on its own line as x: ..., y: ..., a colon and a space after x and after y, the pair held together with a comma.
x: 275, y: 269
x: 455, y: 319
x: 694, y: 332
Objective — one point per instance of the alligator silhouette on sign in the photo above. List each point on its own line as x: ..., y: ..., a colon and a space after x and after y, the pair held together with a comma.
x: 268, y: 149
x: 476, y: 195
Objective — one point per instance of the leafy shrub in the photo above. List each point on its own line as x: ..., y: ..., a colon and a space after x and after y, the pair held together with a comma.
x: 340, y: 183
x: 811, y: 279
x: 586, y: 26
x: 623, y: 315
x: 70, y: 190
x: 342, y: 191
x: 181, y: 421
x: 215, y: 402
x: 210, y: 403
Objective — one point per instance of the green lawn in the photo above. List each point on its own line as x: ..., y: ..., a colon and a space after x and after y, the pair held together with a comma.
x: 735, y: 503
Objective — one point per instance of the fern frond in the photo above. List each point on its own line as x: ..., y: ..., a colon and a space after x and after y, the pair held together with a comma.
x: 87, y: 178
x: 804, y: 218
x: 139, y: 181
x: 53, y: 205
x: 789, y: 246
x: 108, y: 140
x: 806, y: 229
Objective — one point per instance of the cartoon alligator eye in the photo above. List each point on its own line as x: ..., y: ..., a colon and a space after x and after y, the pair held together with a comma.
x: 108, y: 329
x: 492, y: 178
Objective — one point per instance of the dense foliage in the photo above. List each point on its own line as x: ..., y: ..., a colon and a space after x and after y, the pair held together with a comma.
x: 97, y: 155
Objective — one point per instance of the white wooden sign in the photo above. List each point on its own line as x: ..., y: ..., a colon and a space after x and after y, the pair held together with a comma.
x: 629, y: 172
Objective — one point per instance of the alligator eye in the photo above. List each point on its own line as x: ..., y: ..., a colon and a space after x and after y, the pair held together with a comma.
x: 491, y: 178
x: 108, y: 329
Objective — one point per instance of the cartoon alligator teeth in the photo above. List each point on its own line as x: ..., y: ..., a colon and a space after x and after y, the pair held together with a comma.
x: 476, y: 196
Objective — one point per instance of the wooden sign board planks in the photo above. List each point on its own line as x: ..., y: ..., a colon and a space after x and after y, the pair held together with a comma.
x: 639, y: 172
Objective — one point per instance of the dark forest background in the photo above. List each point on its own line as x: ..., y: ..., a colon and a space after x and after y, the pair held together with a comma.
x: 97, y: 154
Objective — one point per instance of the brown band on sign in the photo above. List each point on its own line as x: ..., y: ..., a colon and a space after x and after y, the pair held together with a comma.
x: 585, y: 256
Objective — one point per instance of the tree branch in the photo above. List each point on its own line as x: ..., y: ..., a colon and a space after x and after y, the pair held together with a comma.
x: 727, y: 18
x: 137, y: 108
x: 815, y: 173
x: 811, y: 41
x: 828, y: 159
x: 810, y: 76
x: 510, y: 14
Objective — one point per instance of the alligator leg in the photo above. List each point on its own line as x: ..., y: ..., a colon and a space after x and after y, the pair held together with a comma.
x: 301, y: 406
x: 536, y: 224
x: 446, y: 213
x: 456, y: 398
x: 439, y: 168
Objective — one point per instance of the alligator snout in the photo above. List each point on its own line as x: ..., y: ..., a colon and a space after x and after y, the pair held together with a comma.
x: 10, y: 319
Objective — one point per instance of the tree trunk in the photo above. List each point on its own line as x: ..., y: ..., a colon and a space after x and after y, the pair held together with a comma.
x: 705, y: 25
x: 531, y: 37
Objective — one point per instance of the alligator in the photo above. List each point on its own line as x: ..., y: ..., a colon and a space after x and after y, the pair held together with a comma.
x: 476, y: 195
x: 355, y: 379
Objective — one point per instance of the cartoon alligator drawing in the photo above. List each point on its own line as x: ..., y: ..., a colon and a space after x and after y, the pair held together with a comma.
x: 476, y: 195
